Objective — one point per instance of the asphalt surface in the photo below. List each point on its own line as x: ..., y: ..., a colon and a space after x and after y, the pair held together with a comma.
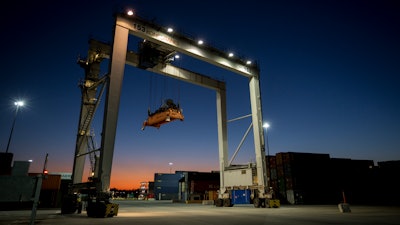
x: 168, y: 213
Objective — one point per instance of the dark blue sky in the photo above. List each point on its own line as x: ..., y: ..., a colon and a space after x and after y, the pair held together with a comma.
x: 329, y: 81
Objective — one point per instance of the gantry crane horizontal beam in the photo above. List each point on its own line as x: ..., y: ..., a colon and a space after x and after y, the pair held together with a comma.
x: 132, y: 59
x: 180, y: 43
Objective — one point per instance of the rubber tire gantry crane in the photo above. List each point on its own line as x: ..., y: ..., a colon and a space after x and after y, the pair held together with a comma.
x: 156, y: 59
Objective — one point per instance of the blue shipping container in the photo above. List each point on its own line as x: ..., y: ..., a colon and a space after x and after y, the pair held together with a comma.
x: 241, y: 197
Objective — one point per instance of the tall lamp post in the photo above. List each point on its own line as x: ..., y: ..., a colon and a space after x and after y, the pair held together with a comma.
x: 266, y: 126
x: 17, y: 104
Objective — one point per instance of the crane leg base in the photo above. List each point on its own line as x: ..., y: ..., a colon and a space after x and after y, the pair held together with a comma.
x: 101, y: 209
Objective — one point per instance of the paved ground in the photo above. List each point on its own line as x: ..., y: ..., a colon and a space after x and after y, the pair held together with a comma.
x: 167, y: 213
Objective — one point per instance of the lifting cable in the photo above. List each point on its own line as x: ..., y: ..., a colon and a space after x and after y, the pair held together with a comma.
x: 150, y: 93
x: 177, y: 92
x: 162, y: 91
x: 154, y: 93
x: 179, y: 86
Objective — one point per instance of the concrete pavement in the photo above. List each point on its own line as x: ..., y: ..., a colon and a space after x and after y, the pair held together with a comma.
x: 165, y: 212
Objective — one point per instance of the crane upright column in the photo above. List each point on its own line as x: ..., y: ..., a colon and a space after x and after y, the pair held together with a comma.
x: 259, y: 143
x: 88, y: 103
x: 116, y: 71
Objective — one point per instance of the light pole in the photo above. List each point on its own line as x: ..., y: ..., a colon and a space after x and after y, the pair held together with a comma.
x: 17, y: 104
x: 266, y: 126
x: 170, y: 166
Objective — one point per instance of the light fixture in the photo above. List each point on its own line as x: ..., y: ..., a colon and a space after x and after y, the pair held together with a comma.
x: 170, y: 166
x: 19, y: 103
x: 130, y: 12
x: 230, y: 54
x: 170, y: 30
x: 200, y: 42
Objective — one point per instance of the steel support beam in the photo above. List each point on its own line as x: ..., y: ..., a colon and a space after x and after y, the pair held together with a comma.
x: 92, y: 69
x: 174, y: 41
x: 222, y: 136
x: 256, y: 111
x: 116, y: 71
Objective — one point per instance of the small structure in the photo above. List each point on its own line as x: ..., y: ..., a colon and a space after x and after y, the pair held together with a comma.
x: 168, y: 112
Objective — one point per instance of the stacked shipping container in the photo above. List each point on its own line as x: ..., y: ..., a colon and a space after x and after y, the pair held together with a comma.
x: 301, y: 178
x: 310, y: 178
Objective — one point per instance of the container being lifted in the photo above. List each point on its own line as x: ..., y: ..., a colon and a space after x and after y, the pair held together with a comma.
x: 168, y: 112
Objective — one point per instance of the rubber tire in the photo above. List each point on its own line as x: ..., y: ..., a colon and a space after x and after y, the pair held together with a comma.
x: 227, y: 202
x: 96, y: 210
x: 256, y: 202
x: 263, y: 202
x: 68, y: 205
x: 219, y: 202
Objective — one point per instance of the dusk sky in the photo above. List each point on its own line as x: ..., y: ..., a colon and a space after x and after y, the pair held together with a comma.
x: 329, y: 74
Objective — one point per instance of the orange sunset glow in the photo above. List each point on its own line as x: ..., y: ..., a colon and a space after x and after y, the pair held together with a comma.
x: 126, y: 175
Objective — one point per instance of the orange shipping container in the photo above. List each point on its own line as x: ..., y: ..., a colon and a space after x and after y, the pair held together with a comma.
x: 52, y: 182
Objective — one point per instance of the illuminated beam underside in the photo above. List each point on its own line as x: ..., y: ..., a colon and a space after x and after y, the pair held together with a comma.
x: 132, y: 59
x: 140, y: 28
